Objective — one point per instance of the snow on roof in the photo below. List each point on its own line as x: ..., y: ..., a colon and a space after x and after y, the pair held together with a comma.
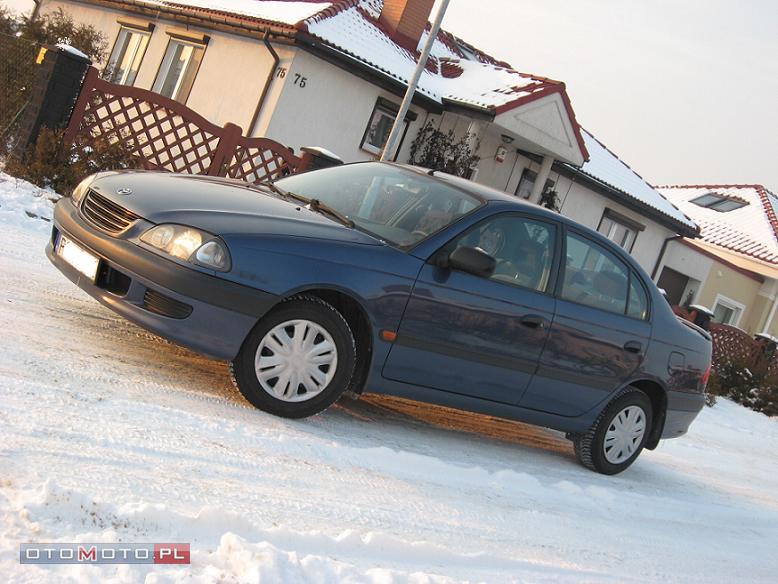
x: 609, y: 169
x: 456, y: 70
x: 751, y: 230
x: 282, y: 11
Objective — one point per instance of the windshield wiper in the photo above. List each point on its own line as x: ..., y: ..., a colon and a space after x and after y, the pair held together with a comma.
x: 325, y: 209
x: 269, y: 184
x: 312, y: 204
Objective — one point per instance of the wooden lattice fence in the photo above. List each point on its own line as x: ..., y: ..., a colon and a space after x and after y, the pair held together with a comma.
x: 167, y: 135
x: 734, y: 346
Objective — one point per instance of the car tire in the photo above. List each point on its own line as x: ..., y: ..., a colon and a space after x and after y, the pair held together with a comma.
x: 612, y: 443
x: 285, y: 340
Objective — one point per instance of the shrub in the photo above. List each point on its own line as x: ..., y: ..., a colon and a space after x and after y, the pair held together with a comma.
x: 51, y: 163
x: 748, y: 384
x: 442, y: 151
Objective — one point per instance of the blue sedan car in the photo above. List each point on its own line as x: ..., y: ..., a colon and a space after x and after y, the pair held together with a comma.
x: 383, y: 278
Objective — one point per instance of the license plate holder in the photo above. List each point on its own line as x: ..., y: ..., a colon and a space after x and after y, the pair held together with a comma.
x: 77, y: 257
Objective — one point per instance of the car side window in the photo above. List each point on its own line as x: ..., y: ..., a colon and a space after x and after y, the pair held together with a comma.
x: 523, y: 249
x: 594, y: 276
x: 638, y: 299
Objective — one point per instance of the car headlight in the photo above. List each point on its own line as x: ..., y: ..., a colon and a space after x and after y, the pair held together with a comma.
x: 190, y: 245
x: 81, y: 189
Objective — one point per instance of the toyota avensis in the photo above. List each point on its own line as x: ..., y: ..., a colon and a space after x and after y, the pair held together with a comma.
x: 375, y: 277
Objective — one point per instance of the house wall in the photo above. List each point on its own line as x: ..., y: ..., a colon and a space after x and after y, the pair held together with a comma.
x: 736, y: 286
x: 231, y: 76
x: 688, y: 261
x: 500, y: 175
x: 332, y: 110
x: 586, y: 206
x: 762, y: 308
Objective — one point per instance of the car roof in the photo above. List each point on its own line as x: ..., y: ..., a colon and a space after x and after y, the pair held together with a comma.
x: 480, y: 191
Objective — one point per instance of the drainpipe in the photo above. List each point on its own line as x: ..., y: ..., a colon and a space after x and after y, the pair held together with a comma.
x: 662, y: 255
x: 268, y: 81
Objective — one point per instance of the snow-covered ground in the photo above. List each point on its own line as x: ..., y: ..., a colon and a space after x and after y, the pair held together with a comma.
x: 108, y: 433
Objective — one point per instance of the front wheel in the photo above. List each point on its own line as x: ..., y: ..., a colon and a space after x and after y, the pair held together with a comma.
x: 618, y: 435
x: 298, y: 360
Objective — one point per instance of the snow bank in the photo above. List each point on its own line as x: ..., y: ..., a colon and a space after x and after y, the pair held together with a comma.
x: 24, y: 204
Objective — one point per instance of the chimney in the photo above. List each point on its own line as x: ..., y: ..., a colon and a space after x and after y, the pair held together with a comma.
x: 406, y: 20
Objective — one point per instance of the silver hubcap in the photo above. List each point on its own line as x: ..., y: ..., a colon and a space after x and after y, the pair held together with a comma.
x: 296, y: 360
x: 624, y: 434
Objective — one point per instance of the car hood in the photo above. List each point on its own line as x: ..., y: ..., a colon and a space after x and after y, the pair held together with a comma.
x: 218, y: 205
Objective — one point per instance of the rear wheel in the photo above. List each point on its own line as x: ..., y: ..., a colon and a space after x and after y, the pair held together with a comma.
x: 298, y: 360
x: 618, y: 435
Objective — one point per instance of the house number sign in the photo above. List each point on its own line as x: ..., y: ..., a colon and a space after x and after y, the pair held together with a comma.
x: 299, y: 80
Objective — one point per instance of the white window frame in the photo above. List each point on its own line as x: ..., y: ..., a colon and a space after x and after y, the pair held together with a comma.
x: 618, y: 220
x: 138, y: 53
x: 727, y: 302
x: 167, y: 62
x: 388, y: 109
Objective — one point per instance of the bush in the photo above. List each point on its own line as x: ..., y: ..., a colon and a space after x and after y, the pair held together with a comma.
x: 50, y: 163
x: 751, y: 386
x: 437, y: 150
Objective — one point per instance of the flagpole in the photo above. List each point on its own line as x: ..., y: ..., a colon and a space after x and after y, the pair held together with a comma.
x: 394, y: 135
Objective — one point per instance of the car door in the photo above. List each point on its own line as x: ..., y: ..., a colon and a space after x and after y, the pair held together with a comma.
x: 481, y: 336
x: 600, y: 332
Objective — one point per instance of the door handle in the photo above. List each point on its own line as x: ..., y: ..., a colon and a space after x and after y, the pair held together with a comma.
x: 534, y: 321
x: 633, y: 346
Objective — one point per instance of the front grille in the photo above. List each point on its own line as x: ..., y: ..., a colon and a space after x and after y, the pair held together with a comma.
x: 105, y: 214
x: 158, y: 303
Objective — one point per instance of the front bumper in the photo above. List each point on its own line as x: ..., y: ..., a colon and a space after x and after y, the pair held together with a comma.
x: 203, y: 312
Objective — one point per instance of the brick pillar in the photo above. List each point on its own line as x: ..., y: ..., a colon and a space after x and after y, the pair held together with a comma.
x: 54, y: 93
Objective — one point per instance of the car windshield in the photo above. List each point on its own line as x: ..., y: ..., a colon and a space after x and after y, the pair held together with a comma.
x: 397, y: 205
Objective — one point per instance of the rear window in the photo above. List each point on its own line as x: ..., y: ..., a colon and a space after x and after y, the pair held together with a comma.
x: 391, y: 203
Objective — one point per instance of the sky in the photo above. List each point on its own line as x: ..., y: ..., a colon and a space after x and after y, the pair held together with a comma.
x: 684, y: 91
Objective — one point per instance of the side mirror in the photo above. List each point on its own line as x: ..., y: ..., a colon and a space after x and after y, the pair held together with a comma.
x: 472, y: 260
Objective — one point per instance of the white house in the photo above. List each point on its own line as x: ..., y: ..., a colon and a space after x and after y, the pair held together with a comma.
x: 333, y: 74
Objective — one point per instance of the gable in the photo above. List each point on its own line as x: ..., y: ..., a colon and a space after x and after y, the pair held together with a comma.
x: 545, y: 122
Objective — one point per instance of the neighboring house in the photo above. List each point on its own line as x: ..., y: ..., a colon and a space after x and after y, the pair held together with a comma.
x: 733, y: 268
x: 333, y: 74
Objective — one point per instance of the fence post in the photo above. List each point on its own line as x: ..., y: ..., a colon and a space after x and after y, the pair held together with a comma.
x: 78, y: 111
x: 228, y: 142
x: 315, y: 157
x: 54, y: 93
